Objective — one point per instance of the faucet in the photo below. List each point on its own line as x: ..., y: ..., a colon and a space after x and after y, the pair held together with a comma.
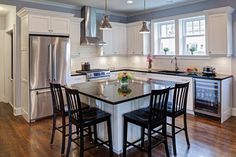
x: 176, y: 63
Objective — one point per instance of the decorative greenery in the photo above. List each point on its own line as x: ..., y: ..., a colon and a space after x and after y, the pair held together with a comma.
x: 124, y: 90
x: 192, y: 49
x: 124, y: 77
x: 166, y: 49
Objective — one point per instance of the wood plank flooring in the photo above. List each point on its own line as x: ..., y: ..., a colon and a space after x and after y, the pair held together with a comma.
x: 19, y: 139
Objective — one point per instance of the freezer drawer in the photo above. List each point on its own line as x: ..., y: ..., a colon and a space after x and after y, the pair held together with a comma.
x: 41, y: 104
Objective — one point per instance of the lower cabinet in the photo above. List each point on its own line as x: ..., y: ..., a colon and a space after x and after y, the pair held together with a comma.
x: 77, y: 79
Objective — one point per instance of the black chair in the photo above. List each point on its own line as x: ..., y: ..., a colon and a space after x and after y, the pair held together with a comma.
x: 59, y: 109
x: 83, y: 118
x: 149, y: 118
x: 177, y: 108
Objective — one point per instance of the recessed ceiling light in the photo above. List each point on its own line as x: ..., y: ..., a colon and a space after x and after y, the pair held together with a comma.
x: 129, y: 1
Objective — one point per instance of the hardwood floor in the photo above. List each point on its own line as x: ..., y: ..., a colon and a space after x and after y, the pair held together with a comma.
x: 19, y: 139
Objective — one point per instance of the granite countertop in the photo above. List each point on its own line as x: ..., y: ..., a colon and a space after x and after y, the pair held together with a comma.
x: 112, y: 92
x: 158, y: 71
x: 184, y: 74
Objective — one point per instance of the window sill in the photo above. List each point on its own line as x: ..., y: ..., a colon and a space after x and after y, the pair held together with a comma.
x: 187, y: 57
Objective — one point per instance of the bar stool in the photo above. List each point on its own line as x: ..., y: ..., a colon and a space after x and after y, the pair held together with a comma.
x: 177, y: 108
x: 59, y: 109
x: 83, y: 118
x: 149, y: 118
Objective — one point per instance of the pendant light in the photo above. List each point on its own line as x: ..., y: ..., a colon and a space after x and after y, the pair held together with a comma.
x: 144, y: 28
x: 105, y: 24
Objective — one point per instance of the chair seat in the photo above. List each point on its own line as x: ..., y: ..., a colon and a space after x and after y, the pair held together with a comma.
x: 93, y: 115
x: 142, y: 116
x: 83, y: 106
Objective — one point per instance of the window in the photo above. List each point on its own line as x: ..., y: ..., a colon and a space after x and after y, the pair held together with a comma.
x: 180, y: 36
x: 166, y: 38
x: 192, y: 37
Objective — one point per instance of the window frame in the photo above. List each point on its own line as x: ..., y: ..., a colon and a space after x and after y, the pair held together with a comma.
x: 178, y: 33
x: 159, y: 38
x: 182, y: 38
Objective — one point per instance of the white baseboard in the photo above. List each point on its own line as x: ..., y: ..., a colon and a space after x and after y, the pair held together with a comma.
x: 17, y: 111
x: 234, y: 111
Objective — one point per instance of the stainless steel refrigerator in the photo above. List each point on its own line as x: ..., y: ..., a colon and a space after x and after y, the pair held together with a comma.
x: 49, y: 62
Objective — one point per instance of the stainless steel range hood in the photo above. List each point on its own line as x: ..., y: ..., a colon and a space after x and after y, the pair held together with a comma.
x: 90, y: 33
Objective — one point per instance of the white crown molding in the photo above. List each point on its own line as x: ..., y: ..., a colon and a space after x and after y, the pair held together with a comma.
x: 165, y: 7
x: 45, y: 2
x: 25, y: 11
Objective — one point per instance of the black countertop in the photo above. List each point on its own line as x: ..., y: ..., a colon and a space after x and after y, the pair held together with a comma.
x: 158, y: 71
x: 112, y: 92
x: 185, y: 74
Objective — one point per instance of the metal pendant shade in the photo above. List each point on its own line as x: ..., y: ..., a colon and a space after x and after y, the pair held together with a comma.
x: 105, y: 24
x: 144, y: 28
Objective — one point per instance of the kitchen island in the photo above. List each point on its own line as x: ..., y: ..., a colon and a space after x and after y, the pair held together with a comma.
x: 117, y: 99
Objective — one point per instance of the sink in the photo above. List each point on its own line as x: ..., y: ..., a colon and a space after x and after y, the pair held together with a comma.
x: 171, y: 72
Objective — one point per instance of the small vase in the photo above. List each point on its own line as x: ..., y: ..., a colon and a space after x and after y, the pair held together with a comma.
x: 149, y: 65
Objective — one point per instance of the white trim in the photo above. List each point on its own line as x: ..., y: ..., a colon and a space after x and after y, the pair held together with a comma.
x: 17, y: 111
x: 63, y: 5
x: 24, y: 11
x: 234, y: 111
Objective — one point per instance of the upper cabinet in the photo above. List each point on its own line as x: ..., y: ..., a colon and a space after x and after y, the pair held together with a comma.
x: 46, y: 22
x: 49, y: 25
x: 75, y: 35
x: 220, y: 40
x: 115, y: 39
x: 138, y: 44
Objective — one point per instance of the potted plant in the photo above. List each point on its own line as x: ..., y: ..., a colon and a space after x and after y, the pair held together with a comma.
x: 166, y: 50
x: 124, y: 77
x: 192, y: 49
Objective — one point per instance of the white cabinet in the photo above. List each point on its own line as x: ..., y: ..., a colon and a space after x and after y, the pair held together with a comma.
x: 77, y: 79
x: 40, y: 24
x: 116, y: 40
x: 138, y: 44
x: 220, y: 32
x: 75, y: 35
x: 48, y: 24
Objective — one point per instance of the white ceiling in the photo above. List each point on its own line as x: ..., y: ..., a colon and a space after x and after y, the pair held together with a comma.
x: 4, y: 9
x: 120, y: 6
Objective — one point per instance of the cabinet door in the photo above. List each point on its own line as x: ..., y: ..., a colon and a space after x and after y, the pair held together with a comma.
x: 75, y: 36
x: 138, y: 48
x: 130, y: 40
x: 39, y: 24
x: 107, y: 38
x: 217, y: 40
x: 60, y: 25
x: 119, y: 39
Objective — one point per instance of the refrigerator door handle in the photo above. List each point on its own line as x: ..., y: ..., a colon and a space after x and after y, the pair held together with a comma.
x: 50, y: 61
x: 54, y: 64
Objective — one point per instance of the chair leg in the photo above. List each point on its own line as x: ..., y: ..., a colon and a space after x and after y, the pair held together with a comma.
x: 125, y: 136
x: 69, y: 140
x: 142, y: 136
x: 95, y: 134
x: 81, y: 141
x: 90, y: 134
x: 186, y: 130
x: 110, y: 136
x: 173, y: 136
x: 164, y: 132
x: 63, y: 135
x: 149, y: 142
x: 53, y: 128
